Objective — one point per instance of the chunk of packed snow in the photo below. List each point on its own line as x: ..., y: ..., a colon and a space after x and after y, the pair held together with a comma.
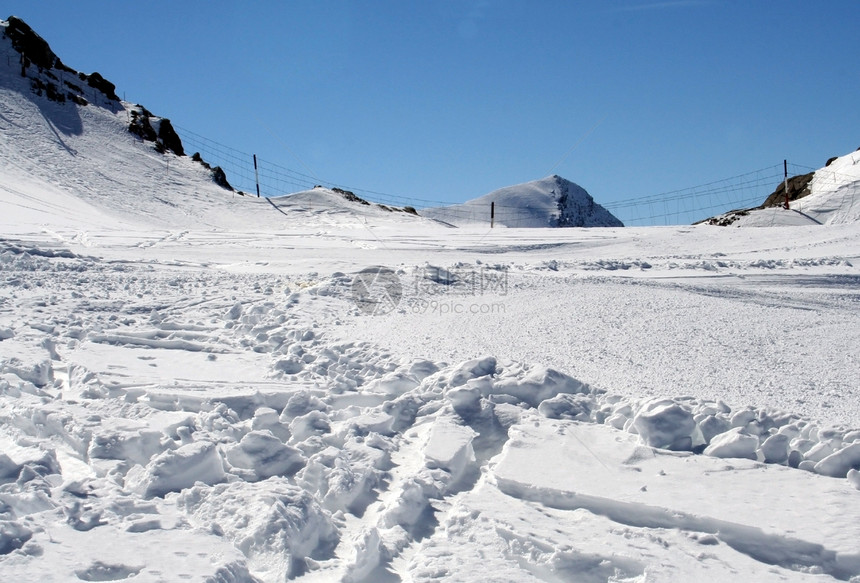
x: 469, y: 370
x: 175, y: 470
x: 268, y: 419
x: 39, y: 371
x: 838, y: 464
x: 775, y: 448
x: 367, y: 555
x: 13, y: 535
x: 819, y: 451
x: 450, y: 448
x: 135, y: 445
x: 537, y: 385
x: 466, y: 400
x: 734, y: 443
x: 854, y: 478
x: 275, y: 524
x: 713, y: 425
x: 265, y: 456
x: 664, y: 423
x: 567, y: 406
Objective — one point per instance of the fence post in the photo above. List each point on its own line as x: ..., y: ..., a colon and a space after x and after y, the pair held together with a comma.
x: 256, y: 176
x: 492, y: 213
x: 785, y: 184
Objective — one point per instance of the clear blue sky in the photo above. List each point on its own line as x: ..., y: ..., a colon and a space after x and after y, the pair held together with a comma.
x: 448, y: 100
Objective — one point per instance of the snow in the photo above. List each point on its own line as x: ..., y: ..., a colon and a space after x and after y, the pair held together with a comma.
x: 834, y: 199
x: 190, y: 390
x: 548, y: 202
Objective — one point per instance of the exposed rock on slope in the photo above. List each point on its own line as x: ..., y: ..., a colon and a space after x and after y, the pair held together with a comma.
x: 830, y: 195
x: 798, y: 187
x: 143, y: 124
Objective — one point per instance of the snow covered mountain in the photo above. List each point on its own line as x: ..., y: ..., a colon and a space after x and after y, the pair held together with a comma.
x: 550, y: 202
x: 828, y: 196
x: 59, y: 125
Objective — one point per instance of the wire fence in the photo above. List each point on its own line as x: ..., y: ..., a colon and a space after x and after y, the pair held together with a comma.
x: 684, y: 206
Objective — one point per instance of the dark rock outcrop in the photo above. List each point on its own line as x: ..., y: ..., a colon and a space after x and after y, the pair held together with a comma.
x: 168, y: 138
x: 575, y: 209
x: 155, y: 129
x: 35, y: 50
x: 798, y: 187
x: 140, y: 125
x: 726, y: 219
x: 31, y: 45
x: 96, y: 81
x: 219, y: 177
x: 349, y: 195
x: 59, y: 83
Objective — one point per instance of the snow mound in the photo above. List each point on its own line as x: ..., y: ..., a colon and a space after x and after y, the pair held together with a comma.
x: 549, y: 202
x: 337, y: 203
x: 175, y: 470
x: 275, y: 524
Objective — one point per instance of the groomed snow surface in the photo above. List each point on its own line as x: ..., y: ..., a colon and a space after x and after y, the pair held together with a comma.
x: 199, y: 386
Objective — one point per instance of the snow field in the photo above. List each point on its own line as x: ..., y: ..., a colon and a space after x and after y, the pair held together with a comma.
x: 338, y: 460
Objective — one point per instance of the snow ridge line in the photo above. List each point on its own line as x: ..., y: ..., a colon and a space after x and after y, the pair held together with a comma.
x: 773, y: 549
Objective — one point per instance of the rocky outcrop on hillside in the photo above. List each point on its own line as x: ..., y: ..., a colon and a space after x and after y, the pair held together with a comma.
x: 798, y: 187
x: 826, y: 196
x: 576, y: 208
x: 50, y: 78
x: 155, y: 129
x: 32, y: 47
x: 219, y: 177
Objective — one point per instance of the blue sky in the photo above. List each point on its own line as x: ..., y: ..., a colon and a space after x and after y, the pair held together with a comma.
x: 447, y: 100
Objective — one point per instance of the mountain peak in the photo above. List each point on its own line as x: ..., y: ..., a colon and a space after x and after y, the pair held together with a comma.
x: 29, y: 44
x: 553, y: 201
x: 34, y: 50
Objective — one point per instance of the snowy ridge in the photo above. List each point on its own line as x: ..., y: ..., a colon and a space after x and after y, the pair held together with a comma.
x: 549, y: 202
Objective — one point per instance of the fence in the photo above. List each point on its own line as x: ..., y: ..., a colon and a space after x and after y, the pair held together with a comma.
x: 684, y: 206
